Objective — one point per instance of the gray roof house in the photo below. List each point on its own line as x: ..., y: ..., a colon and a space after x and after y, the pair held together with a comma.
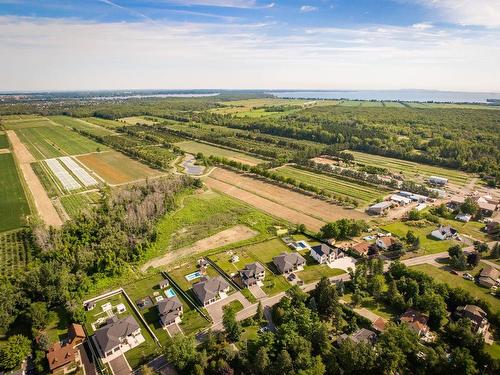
x: 325, y: 254
x: 252, y: 274
x: 476, y: 315
x: 361, y: 335
x: 489, y: 277
x: 444, y: 232
x: 170, y: 311
x: 288, y: 262
x: 209, y: 290
x: 113, y: 336
x: 164, y: 284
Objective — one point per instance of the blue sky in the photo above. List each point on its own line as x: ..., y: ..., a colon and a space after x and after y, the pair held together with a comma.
x: 324, y: 44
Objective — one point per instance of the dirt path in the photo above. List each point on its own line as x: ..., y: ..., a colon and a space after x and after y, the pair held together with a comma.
x: 42, y: 201
x: 4, y: 151
x: 228, y: 236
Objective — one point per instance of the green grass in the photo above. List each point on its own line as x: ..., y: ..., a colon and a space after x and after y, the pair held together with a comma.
x: 472, y: 228
x: 411, y: 169
x: 474, y: 289
x: 179, y: 273
x: 77, y: 203
x: 4, y: 142
x: 110, y: 124
x: 234, y: 305
x: 314, y: 271
x: 194, y: 147
x: 57, y: 326
x: 15, y: 252
x: 54, y: 141
x: 365, y: 194
x: 14, y: 205
x: 80, y: 124
x: 427, y: 243
x: 369, y: 303
x: 32, y: 122
x: 493, y: 350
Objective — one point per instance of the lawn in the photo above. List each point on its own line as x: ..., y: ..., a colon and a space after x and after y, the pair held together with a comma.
x: 472, y: 228
x: 313, y: 271
x: 493, y: 350
x: 194, y: 147
x: 369, y: 303
x: 4, y: 142
x: 54, y: 140
x: 15, y: 252
x: 411, y: 169
x: 77, y: 203
x: 427, y: 243
x: 456, y: 281
x: 365, y: 194
x: 179, y: 273
x: 14, y: 206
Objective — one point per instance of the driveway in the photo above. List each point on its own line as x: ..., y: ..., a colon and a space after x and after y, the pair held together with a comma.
x: 257, y: 291
x: 174, y: 329
x: 216, y: 309
x: 85, y: 357
x: 120, y: 366
x: 343, y: 263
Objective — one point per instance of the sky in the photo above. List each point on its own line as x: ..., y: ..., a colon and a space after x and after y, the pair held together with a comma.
x: 250, y: 44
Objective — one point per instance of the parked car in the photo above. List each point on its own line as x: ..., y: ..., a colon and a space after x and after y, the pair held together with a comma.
x: 468, y: 276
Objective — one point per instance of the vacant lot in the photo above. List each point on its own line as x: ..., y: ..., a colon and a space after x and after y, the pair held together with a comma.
x: 289, y: 205
x: 194, y: 147
x: 411, y: 169
x: 54, y: 140
x: 457, y: 281
x: 364, y: 194
x: 14, y: 252
x: 14, y: 205
x: 116, y: 168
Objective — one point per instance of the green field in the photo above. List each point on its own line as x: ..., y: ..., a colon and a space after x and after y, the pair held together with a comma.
x: 54, y: 140
x: 110, y: 124
x: 77, y: 203
x: 313, y: 271
x: 26, y: 123
x: 4, y: 142
x: 427, y: 243
x: 14, y: 206
x: 14, y: 252
x: 81, y: 125
x: 411, y: 169
x: 194, y: 147
x: 456, y: 281
x: 365, y: 194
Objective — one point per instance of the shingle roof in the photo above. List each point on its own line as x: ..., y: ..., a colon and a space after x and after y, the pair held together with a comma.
x: 288, y: 261
x: 207, y: 289
x: 323, y: 249
x: 109, y: 336
x: 251, y: 270
x: 490, y: 272
x: 168, y: 305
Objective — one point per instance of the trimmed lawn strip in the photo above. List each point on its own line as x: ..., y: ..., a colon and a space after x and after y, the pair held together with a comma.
x: 313, y: 271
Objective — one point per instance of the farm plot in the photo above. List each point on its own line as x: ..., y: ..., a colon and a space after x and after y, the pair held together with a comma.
x: 85, y: 178
x: 4, y: 142
x: 110, y: 124
x: 365, y: 194
x: 14, y: 252
x: 134, y: 120
x: 289, y: 205
x: 75, y: 204
x: 54, y: 140
x: 411, y: 169
x: 66, y: 180
x: 25, y: 123
x: 116, y: 168
x: 79, y: 124
x: 194, y: 147
x: 14, y: 205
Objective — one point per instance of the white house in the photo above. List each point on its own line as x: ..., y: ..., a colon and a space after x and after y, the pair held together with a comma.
x: 385, y: 243
x: 444, y: 233
x: 118, y: 336
x: 463, y: 217
x: 325, y: 254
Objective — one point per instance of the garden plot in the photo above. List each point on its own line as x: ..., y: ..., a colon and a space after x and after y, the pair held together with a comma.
x: 67, y: 181
x: 85, y: 178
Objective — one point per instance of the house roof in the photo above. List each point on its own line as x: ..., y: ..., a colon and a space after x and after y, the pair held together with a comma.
x: 110, y: 335
x: 76, y: 331
x: 168, y: 305
x: 379, y: 324
x: 164, y: 283
x: 447, y: 230
x: 60, y: 355
x: 381, y: 205
x: 363, y: 335
x: 472, y: 310
x: 490, y: 272
x: 251, y: 270
x: 415, y: 319
x: 323, y: 249
x: 387, y: 241
x: 287, y: 261
x: 208, y: 288
x: 361, y: 248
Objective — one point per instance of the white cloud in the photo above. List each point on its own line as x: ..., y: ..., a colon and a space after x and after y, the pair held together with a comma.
x: 422, y: 26
x: 308, y: 8
x: 467, y: 12
x: 222, y: 3
x: 54, y: 54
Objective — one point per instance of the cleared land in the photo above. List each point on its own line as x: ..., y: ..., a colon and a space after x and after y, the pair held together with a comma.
x: 14, y: 205
x: 289, y: 205
x: 14, y: 252
x: 411, y: 169
x: 116, y: 168
x: 363, y: 193
x: 194, y: 147
x: 228, y: 236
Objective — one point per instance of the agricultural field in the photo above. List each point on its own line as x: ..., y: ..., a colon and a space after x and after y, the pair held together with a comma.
x: 110, y: 124
x: 4, y: 142
x: 25, y: 123
x: 134, y: 120
x: 54, y: 140
x: 194, y: 147
x: 14, y: 205
x: 363, y: 193
x: 14, y: 252
x: 77, y: 203
x: 411, y: 169
x: 116, y: 168
x: 79, y: 124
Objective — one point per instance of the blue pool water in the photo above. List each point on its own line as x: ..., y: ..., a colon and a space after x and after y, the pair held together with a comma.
x: 193, y: 276
x: 170, y: 293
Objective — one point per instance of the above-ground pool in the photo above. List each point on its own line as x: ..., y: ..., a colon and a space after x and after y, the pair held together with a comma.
x: 170, y: 293
x: 193, y: 276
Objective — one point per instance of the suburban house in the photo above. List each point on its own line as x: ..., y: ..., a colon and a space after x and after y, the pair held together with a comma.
x: 210, y: 290
x: 489, y: 277
x: 492, y: 228
x: 299, y: 245
x: 463, y: 217
x: 362, y: 335
x: 476, y: 315
x: 64, y: 356
x: 253, y: 273
x: 361, y: 248
x: 438, y: 181
x: 444, y: 232
x: 325, y: 254
x: 384, y: 243
x: 170, y: 311
x: 380, y: 208
x: 118, y: 336
x: 416, y: 321
x: 487, y: 205
x: 289, y: 262
x: 164, y: 284
x: 399, y: 199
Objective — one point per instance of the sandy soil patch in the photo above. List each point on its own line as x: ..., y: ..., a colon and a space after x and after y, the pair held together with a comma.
x: 226, y: 237
x: 4, y: 151
x: 321, y: 160
x: 43, y: 204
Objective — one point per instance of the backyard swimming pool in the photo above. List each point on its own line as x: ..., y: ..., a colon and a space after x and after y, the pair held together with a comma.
x: 193, y: 276
x: 170, y: 293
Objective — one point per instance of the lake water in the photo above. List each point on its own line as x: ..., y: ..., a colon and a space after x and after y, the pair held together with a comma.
x: 397, y: 95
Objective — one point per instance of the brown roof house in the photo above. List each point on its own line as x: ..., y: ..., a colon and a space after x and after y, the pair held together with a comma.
x: 289, y: 262
x: 416, y: 321
x: 476, y: 315
x: 210, y: 290
x: 361, y: 248
x: 489, y: 277
x: 64, y: 356
x: 170, y: 311
x: 252, y: 274
x: 385, y: 243
x: 117, y: 337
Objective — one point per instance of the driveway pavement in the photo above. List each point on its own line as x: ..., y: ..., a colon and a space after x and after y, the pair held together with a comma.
x: 257, y: 291
x: 174, y: 329
x: 343, y: 263
x: 216, y: 309
x: 120, y: 366
x: 85, y: 357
